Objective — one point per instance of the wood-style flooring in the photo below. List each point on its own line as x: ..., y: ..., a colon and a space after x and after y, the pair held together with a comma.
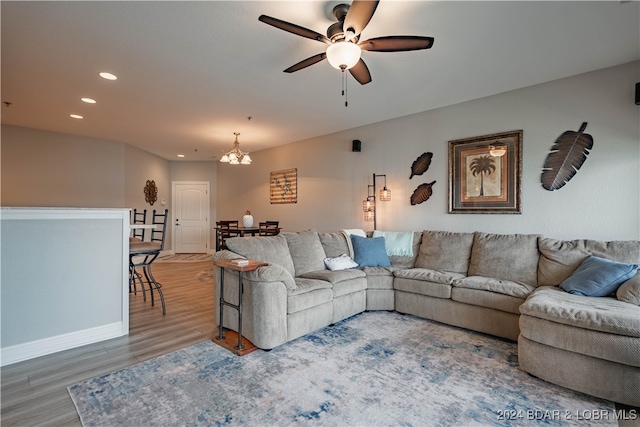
x: 34, y: 392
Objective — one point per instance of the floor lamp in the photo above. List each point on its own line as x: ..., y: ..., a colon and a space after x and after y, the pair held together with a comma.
x: 369, y: 204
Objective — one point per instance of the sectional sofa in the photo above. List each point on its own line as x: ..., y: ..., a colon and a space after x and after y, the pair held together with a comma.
x: 507, y: 285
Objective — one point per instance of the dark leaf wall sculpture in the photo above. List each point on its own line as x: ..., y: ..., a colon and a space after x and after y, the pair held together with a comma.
x: 422, y: 193
x: 567, y: 156
x: 421, y: 164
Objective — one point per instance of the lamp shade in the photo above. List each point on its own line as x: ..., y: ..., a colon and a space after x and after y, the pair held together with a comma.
x: 343, y: 55
x: 385, y: 194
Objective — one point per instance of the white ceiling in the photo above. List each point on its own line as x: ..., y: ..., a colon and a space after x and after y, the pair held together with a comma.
x: 190, y: 73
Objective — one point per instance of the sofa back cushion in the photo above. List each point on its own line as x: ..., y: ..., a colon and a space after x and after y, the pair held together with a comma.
x: 511, y: 257
x: 395, y: 251
x: 271, y: 249
x: 560, y: 258
x: 445, y: 251
x: 306, y: 251
x: 334, y: 244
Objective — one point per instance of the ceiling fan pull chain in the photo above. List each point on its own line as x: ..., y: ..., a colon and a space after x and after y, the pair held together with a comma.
x: 344, y: 89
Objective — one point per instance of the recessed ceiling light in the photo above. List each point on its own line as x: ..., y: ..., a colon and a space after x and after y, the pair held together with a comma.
x: 88, y: 100
x: 108, y: 76
x: 180, y: 155
x: 76, y: 116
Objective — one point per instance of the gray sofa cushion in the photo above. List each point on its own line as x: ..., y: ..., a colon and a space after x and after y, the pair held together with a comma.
x: 629, y: 291
x: 334, y: 244
x: 427, y: 275
x: 306, y: 251
x: 511, y: 257
x: 445, y: 251
x: 334, y: 276
x: 271, y: 249
x: 558, y: 260
x: 499, y: 286
x: 308, y: 293
x: 487, y: 299
x: 599, y: 314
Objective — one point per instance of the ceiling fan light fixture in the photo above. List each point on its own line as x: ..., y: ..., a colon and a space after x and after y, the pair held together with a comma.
x: 343, y: 55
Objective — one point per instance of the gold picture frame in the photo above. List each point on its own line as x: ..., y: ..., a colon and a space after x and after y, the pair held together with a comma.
x: 283, y: 186
x: 485, y: 174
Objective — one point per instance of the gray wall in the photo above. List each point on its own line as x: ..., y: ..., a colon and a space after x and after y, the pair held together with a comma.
x: 52, y: 169
x: 41, y: 168
x: 600, y: 202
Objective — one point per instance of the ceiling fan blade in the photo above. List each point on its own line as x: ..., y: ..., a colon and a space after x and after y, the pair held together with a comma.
x: 360, y: 72
x: 359, y: 15
x: 307, y: 62
x: 396, y: 43
x: 293, y: 28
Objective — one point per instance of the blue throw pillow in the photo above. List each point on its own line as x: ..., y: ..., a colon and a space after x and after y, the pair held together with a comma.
x: 370, y: 252
x: 598, y: 277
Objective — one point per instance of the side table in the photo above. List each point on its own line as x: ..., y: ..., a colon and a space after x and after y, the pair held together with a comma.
x: 239, y: 266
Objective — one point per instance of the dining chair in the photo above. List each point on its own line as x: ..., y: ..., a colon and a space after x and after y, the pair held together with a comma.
x: 224, y: 230
x: 143, y: 254
x: 137, y: 234
x: 269, y: 228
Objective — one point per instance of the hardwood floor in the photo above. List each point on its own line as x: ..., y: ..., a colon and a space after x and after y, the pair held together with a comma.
x: 34, y: 392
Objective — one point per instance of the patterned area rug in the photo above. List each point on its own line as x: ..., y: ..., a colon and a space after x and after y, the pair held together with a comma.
x: 184, y: 258
x: 377, y: 368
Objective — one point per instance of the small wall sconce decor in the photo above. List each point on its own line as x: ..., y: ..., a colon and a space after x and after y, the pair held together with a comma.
x: 236, y: 156
x: 150, y: 192
x: 369, y: 204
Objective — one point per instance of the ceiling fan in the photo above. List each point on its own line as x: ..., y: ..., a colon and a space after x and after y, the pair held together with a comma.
x: 344, y: 48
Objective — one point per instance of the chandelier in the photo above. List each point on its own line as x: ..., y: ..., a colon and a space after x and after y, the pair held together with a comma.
x: 235, y: 156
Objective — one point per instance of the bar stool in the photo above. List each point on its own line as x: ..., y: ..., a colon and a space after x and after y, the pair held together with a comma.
x: 146, y: 253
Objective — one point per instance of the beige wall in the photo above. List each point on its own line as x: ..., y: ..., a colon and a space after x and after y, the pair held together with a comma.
x: 51, y: 169
x: 41, y: 168
x: 600, y: 202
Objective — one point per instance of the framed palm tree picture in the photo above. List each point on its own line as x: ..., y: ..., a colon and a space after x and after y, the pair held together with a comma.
x: 485, y: 174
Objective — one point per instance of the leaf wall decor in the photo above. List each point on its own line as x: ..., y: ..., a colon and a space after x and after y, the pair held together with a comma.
x: 422, y: 193
x: 567, y: 155
x: 421, y: 164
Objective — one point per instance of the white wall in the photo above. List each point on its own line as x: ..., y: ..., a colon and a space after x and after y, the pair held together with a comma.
x: 601, y: 202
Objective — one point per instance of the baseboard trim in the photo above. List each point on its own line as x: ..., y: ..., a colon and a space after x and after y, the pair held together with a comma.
x: 30, y: 350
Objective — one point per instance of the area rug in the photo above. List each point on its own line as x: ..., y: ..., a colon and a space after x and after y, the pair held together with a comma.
x: 377, y: 368
x: 184, y: 258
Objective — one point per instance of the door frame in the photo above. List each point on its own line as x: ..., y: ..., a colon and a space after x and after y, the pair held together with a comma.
x: 208, y: 216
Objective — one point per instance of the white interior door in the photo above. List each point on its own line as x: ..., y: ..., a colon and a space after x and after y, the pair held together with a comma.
x: 191, y: 217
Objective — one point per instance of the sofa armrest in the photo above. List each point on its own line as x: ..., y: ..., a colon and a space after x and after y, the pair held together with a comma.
x: 264, y: 319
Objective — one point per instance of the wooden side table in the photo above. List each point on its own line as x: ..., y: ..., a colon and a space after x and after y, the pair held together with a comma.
x: 232, y: 264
